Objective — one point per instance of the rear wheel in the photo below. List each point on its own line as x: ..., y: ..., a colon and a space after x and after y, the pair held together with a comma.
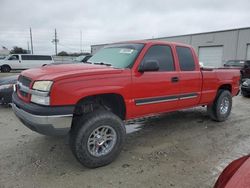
x: 221, y: 107
x: 96, y: 138
x: 5, y: 68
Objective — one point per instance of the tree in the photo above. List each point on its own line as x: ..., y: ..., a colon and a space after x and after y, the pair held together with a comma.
x: 18, y: 50
x: 62, y: 53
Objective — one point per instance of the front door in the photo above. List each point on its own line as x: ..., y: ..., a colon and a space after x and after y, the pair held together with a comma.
x: 14, y: 62
x: 156, y: 91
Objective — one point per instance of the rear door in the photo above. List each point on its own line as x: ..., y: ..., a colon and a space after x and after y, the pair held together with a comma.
x: 42, y: 60
x: 26, y: 61
x: 190, y: 77
x: 156, y: 91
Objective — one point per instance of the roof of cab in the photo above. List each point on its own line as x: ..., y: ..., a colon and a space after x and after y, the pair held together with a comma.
x: 153, y: 42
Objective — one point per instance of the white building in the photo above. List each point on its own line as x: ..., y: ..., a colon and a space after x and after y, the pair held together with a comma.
x: 213, y: 48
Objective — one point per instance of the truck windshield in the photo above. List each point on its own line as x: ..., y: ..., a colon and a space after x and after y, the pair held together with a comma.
x: 118, y: 55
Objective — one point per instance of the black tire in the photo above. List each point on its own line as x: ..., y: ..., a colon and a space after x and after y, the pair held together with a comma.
x: 245, y: 94
x: 5, y: 68
x: 215, y: 112
x: 83, y: 128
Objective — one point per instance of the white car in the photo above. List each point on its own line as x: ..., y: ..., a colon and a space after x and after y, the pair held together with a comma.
x: 24, y: 61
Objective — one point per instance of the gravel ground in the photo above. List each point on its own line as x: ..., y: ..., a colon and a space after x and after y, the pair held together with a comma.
x: 180, y: 149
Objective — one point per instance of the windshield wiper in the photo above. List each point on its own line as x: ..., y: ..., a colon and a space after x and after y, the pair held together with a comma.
x: 101, y: 63
x: 88, y: 62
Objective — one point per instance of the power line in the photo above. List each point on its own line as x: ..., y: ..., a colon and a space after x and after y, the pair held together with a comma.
x: 55, y: 41
x: 28, y: 46
x: 31, y: 42
x: 81, y: 41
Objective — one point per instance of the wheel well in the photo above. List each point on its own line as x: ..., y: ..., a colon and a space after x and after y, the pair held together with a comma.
x: 111, y: 102
x: 5, y: 65
x: 226, y: 87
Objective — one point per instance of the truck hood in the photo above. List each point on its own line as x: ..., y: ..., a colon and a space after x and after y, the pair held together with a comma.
x: 62, y: 71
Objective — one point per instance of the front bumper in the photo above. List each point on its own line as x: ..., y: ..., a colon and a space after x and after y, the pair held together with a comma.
x: 51, y: 124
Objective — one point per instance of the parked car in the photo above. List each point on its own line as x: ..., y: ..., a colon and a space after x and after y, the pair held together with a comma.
x: 245, y: 88
x: 242, y: 65
x: 24, y: 61
x: 124, y: 81
x: 6, y: 86
x: 235, y: 175
x: 6, y: 89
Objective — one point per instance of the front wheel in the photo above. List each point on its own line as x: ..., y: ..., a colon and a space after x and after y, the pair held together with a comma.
x: 96, y: 139
x: 221, y: 107
x: 5, y: 68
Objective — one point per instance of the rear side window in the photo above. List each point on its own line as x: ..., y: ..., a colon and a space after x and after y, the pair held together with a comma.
x: 36, y: 57
x: 186, y: 59
x: 163, y: 55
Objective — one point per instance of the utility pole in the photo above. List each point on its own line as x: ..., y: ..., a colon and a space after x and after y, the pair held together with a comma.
x: 28, y: 46
x: 81, y: 41
x: 55, y: 41
x: 31, y: 42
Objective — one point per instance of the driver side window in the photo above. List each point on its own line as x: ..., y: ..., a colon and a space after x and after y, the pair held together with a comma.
x: 14, y: 57
x: 163, y: 55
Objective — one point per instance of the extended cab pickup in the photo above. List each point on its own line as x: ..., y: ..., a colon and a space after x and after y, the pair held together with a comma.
x: 128, y: 80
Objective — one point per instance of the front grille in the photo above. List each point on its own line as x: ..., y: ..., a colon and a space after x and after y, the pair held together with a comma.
x: 24, y: 94
x: 25, y: 82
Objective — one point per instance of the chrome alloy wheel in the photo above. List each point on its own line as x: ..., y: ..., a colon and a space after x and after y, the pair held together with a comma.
x: 101, y: 141
x: 224, y: 106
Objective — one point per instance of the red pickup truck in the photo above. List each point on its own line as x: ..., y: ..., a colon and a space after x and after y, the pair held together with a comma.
x: 128, y: 80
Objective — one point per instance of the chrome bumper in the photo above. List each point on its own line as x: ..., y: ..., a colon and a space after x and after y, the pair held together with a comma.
x: 54, y: 125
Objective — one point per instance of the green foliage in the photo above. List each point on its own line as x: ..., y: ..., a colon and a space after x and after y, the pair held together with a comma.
x: 63, y: 53
x: 18, y: 50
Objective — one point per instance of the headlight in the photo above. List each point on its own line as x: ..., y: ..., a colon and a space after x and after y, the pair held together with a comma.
x: 245, y: 84
x: 40, y: 100
x: 40, y: 94
x: 7, y: 86
x: 42, y: 85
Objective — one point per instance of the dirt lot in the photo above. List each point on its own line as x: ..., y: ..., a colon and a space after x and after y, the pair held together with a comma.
x: 181, y: 149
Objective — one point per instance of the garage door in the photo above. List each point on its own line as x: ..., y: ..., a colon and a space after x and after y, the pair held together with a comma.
x: 211, y: 56
x: 248, y: 52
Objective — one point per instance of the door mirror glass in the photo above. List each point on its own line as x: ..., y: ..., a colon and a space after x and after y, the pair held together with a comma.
x: 149, y: 65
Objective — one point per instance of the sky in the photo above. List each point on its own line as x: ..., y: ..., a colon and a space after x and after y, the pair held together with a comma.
x: 106, y: 21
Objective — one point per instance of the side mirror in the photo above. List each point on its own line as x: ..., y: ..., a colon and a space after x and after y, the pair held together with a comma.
x: 149, y: 65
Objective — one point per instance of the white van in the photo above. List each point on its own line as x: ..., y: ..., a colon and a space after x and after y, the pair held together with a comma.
x: 24, y: 61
